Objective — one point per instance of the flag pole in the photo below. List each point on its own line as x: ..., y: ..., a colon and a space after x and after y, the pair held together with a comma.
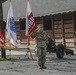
x: 28, y: 39
x: 10, y: 44
x: 10, y: 48
x: 3, y: 52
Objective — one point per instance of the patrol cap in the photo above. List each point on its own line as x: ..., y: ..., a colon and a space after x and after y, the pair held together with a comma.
x: 40, y: 26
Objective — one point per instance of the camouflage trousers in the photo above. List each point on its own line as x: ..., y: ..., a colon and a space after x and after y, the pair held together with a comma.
x: 41, y: 54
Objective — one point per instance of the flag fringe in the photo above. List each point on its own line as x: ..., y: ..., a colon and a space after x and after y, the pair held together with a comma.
x: 3, y: 46
x: 31, y: 37
x: 8, y: 41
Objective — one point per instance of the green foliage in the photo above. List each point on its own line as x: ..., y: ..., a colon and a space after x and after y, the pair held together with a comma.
x: 7, y: 58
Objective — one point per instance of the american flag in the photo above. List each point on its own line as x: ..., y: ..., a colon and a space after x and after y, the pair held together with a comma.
x: 2, y: 40
x: 30, y: 22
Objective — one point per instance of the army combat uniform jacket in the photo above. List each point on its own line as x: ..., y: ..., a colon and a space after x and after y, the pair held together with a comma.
x: 41, y: 38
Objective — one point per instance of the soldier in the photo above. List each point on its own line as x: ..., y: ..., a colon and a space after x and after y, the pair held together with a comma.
x: 41, y: 44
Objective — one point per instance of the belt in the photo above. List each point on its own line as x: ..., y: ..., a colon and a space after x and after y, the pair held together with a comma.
x: 41, y: 39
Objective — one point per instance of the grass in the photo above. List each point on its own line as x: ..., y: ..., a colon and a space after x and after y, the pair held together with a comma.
x: 7, y: 58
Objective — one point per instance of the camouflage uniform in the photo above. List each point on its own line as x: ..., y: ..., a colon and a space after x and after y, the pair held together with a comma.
x: 41, y: 44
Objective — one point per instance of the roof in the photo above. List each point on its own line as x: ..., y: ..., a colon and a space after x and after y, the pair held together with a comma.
x: 39, y: 7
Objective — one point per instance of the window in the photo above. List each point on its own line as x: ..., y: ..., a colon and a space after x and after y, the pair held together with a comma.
x: 38, y: 18
x: 67, y: 16
x: 22, y: 24
x: 57, y: 17
x: 75, y: 20
x: 4, y: 23
x: 47, y: 23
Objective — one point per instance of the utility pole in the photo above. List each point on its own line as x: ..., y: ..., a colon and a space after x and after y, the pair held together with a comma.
x: 3, y: 52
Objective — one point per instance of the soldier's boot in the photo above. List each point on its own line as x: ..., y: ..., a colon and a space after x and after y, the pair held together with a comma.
x: 40, y: 67
x: 43, y: 66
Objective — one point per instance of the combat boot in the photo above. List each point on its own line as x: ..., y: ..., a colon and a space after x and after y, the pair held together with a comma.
x: 44, y: 67
x: 40, y: 67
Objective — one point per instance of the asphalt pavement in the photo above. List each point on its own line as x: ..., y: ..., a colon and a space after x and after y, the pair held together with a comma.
x: 24, y: 66
x: 21, y: 65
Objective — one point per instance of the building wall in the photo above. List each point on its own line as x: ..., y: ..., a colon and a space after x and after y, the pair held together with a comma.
x: 61, y: 28
x: 64, y: 30
x: 17, y: 25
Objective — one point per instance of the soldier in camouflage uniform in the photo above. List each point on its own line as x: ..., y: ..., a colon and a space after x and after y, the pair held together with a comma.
x: 41, y: 44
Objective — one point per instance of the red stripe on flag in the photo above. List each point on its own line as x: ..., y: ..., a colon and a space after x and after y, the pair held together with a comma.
x: 31, y: 21
x: 2, y: 40
x: 31, y: 24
